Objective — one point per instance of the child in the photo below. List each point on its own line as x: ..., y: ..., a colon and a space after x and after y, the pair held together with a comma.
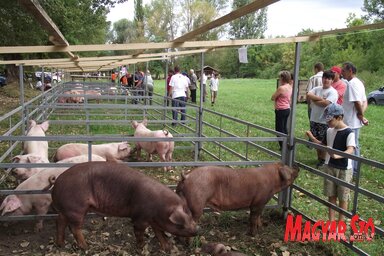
x: 339, y: 136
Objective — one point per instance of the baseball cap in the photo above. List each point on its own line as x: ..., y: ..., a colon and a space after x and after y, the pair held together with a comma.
x: 336, y: 69
x: 332, y: 110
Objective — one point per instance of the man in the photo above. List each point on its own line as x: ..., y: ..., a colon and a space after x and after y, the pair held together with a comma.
x: 204, y: 82
x: 179, y: 85
x: 321, y: 97
x: 193, y: 86
x: 338, y: 84
x: 315, y: 81
x: 354, y: 105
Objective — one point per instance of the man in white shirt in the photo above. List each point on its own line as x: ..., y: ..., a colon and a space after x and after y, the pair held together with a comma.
x: 179, y: 85
x: 354, y: 105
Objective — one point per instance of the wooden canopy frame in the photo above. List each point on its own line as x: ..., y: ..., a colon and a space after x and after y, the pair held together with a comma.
x: 75, y: 63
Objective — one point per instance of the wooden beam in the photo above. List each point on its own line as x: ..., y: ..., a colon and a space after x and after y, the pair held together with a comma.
x: 244, y: 10
x: 37, y: 11
x: 348, y: 30
x: 150, y: 46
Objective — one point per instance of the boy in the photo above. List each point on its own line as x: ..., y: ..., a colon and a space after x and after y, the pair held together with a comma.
x: 339, y: 136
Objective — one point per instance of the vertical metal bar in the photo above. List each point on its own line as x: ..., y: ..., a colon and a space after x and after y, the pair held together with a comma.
x: 21, y: 98
x: 165, y: 104
x: 146, y: 88
x: 200, y: 119
x: 291, y: 125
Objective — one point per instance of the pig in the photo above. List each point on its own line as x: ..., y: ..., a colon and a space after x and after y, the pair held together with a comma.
x: 110, y: 151
x: 163, y: 148
x: 114, y: 189
x: 223, y: 188
x: 216, y: 249
x: 24, y: 203
x: 39, y: 148
x: 23, y: 173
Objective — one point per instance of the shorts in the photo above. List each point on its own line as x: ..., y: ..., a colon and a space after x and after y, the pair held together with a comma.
x: 332, y: 189
x: 319, y: 130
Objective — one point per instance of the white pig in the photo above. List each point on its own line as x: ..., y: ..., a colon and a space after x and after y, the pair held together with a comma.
x: 110, y: 151
x: 24, y: 203
x: 163, y: 148
x: 39, y: 148
x: 23, y: 173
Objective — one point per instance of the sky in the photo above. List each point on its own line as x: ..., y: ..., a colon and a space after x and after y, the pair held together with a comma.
x: 286, y: 17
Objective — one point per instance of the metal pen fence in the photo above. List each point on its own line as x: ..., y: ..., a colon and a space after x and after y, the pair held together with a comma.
x: 223, y: 140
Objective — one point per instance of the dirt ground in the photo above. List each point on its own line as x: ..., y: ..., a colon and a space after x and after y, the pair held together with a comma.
x: 114, y: 236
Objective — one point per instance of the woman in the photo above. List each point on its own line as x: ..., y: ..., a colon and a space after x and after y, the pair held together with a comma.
x: 282, y: 98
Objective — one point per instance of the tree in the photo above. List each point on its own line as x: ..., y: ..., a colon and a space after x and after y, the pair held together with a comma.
x: 252, y: 25
x: 124, y: 31
x: 374, y: 9
x: 139, y: 19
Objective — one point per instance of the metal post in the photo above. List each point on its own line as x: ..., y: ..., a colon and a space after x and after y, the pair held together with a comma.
x: 291, y: 126
x: 200, y: 120
x: 21, y: 85
x: 166, y: 92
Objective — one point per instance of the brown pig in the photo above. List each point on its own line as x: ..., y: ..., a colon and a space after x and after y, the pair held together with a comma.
x: 216, y: 249
x: 163, y: 148
x: 22, y: 204
x: 109, y: 151
x: 223, y: 188
x: 114, y: 189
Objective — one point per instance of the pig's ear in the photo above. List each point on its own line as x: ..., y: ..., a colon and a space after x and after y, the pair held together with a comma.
x: 285, y: 173
x: 134, y: 124
x: 177, y: 216
x: 44, y: 126
x: 10, y: 204
x: 18, y: 157
x: 34, y: 159
x: 32, y: 123
x: 145, y: 122
x: 123, y: 145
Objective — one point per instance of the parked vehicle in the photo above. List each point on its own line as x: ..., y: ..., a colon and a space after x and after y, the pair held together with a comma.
x: 3, y: 80
x: 52, y: 76
x: 376, y: 97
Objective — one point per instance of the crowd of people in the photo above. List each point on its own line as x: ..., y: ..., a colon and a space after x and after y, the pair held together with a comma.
x: 336, y: 104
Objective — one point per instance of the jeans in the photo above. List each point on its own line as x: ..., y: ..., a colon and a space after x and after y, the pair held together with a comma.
x: 281, y: 120
x: 178, y: 102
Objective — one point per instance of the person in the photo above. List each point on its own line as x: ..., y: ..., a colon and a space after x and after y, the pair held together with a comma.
x: 39, y: 85
x: 214, y: 87
x: 282, y: 97
x: 193, y: 87
x: 189, y: 84
x: 204, y: 82
x: 169, y: 88
x: 341, y: 137
x: 113, y: 77
x: 148, y: 84
x: 124, y: 80
x: 320, y: 97
x: 354, y: 104
x: 314, y: 81
x: 138, y: 80
x: 130, y: 80
x: 179, y: 85
x: 338, y: 84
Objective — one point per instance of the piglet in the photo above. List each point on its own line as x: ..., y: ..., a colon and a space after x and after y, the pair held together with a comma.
x: 216, y: 249
x: 39, y: 148
x: 114, y: 189
x: 109, y: 151
x: 163, y: 148
x: 223, y: 188
x: 23, y: 204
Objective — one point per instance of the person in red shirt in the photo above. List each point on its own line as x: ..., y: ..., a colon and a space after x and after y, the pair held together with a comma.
x: 113, y: 77
x: 338, y: 84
